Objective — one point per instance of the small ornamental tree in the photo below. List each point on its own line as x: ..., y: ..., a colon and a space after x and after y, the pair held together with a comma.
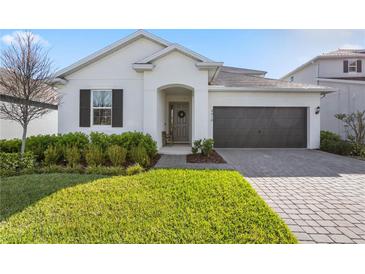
x: 354, y: 126
x: 26, y: 76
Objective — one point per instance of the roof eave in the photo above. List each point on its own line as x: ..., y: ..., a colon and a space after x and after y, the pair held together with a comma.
x: 109, y: 49
x: 272, y: 89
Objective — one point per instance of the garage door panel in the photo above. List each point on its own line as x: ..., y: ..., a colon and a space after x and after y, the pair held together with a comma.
x: 259, y: 127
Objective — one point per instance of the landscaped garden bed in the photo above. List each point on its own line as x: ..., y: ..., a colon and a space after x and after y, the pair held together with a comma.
x: 96, y: 153
x: 158, y: 206
x: 213, y: 157
x: 203, y: 152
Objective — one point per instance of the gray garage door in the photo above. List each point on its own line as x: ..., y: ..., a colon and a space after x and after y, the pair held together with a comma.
x: 260, y: 127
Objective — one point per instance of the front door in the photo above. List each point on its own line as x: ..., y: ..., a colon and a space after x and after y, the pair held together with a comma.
x: 179, y: 122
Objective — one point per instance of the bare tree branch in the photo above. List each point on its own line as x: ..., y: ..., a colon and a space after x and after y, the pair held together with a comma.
x: 27, y: 74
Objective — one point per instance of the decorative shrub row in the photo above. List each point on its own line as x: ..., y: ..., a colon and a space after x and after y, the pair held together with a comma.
x: 102, y: 170
x: 333, y: 143
x: 96, y: 149
x: 14, y: 161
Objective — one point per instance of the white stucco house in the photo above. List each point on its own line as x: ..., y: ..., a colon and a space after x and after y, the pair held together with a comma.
x: 344, y: 70
x: 145, y: 83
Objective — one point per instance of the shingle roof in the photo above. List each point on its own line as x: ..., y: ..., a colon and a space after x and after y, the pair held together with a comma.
x: 345, y: 53
x: 242, y: 70
x: 339, y: 53
x: 233, y: 79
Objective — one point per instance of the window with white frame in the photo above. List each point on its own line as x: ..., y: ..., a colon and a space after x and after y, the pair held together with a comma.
x: 102, y: 107
x: 352, y: 65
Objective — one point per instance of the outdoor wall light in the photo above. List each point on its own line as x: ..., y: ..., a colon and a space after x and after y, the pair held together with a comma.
x: 317, y: 110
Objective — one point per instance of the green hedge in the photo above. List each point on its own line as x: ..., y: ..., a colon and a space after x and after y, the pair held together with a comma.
x: 14, y: 161
x: 332, y: 142
x: 37, y: 145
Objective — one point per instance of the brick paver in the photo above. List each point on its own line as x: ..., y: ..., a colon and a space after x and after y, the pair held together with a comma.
x: 320, y: 196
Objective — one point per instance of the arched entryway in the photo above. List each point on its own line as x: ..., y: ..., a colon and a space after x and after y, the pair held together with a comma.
x: 175, y: 114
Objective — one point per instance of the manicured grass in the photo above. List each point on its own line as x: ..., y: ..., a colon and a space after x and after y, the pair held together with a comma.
x: 160, y: 206
x: 18, y: 192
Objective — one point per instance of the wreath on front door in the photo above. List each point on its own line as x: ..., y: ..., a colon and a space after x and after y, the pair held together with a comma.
x: 181, y: 114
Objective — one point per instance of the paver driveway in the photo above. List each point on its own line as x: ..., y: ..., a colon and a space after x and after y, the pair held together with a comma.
x: 320, y: 196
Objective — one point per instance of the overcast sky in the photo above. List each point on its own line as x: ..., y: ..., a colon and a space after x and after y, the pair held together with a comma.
x: 275, y: 51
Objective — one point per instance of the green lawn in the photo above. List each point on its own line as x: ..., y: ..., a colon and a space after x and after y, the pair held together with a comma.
x: 159, y: 206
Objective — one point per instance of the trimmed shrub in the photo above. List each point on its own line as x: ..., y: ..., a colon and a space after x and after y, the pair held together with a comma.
x: 117, y: 155
x: 207, y: 146
x: 10, y: 146
x: 100, y: 139
x: 332, y: 143
x: 94, y: 156
x: 197, y: 144
x: 52, y: 155
x: 134, y: 169
x: 128, y: 140
x: 72, y: 156
x: 78, y: 139
x: 15, y: 161
x: 139, y: 155
x: 38, y: 145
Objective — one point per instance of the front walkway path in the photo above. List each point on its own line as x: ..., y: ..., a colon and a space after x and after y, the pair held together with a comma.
x: 320, y: 196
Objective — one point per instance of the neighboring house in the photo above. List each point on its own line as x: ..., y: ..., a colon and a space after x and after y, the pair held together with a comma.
x: 47, y: 124
x: 145, y: 83
x: 344, y: 70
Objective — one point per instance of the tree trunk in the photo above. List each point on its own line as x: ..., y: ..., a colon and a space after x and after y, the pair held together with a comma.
x: 24, y: 138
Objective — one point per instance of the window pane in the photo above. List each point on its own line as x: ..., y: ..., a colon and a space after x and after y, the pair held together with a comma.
x: 102, y: 116
x: 102, y: 98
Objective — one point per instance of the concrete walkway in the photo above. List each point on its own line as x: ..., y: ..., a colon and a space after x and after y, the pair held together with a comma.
x: 320, y: 196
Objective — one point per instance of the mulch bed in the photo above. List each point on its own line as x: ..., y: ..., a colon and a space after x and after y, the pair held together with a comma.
x: 214, y: 157
x: 154, y: 160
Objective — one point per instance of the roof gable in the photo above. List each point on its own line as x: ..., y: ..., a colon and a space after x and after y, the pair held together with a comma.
x: 110, y: 49
x: 171, y: 48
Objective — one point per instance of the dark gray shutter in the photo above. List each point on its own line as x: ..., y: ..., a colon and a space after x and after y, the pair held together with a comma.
x: 359, y: 63
x: 117, y: 108
x: 345, y: 66
x: 84, y: 120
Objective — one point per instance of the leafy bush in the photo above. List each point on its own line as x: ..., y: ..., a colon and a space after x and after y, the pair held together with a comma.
x: 117, y: 155
x: 197, y: 145
x: 72, y: 156
x: 332, y: 142
x: 52, y: 155
x: 134, y: 169
x: 207, y: 146
x: 94, y: 155
x: 139, y: 155
x: 100, y: 139
x: 15, y: 161
x: 354, y: 126
x: 128, y: 140
x: 78, y: 139
x: 10, y: 146
x: 38, y: 145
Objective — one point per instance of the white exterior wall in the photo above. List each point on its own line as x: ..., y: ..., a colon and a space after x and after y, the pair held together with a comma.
x: 307, y: 75
x: 176, y: 69
x: 349, y: 98
x: 334, y: 68
x: 111, y: 72
x: 271, y: 99
x: 47, y: 124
